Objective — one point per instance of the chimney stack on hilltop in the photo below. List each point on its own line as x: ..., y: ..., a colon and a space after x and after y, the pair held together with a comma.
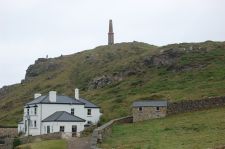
x: 110, y: 34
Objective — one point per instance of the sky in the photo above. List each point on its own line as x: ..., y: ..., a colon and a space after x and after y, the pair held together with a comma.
x: 30, y: 29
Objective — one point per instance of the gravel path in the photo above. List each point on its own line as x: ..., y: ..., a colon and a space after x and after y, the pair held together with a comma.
x: 79, y: 143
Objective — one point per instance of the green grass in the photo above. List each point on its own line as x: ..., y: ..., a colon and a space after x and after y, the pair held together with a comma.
x: 48, y: 144
x: 196, y: 130
x: 115, y: 100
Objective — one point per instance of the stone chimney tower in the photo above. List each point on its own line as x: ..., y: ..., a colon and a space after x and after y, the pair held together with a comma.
x: 110, y: 34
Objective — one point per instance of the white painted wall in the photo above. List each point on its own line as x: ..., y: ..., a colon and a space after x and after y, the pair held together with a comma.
x: 55, y: 127
x: 20, y: 128
x: 95, y: 115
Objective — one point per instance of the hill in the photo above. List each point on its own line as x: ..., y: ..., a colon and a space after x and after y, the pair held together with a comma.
x: 114, y: 76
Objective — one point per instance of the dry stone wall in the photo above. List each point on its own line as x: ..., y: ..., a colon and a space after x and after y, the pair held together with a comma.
x: 8, y: 132
x: 195, y: 105
x: 100, y: 133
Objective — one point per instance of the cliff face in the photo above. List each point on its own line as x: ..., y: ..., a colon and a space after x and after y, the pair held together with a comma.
x: 114, y: 76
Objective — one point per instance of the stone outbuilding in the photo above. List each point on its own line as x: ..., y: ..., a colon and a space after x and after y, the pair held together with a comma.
x: 149, y: 109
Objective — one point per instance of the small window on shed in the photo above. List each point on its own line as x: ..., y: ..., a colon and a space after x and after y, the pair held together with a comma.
x: 157, y: 108
x: 140, y: 108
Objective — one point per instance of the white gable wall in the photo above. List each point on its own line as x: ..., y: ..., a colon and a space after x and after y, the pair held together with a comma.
x: 95, y: 115
x: 49, y: 109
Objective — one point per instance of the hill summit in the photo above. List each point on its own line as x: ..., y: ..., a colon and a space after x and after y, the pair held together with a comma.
x: 114, y: 76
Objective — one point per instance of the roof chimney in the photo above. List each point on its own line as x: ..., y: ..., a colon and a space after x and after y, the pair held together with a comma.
x: 77, y: 94
x: 52, y: 96
x: 36, y: 95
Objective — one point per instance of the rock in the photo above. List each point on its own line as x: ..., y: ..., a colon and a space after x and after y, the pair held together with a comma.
x: 166, y: 58
x: 3, y: 91
x: 100, y: 82
x: 104, y: 80
x: 41, y: 65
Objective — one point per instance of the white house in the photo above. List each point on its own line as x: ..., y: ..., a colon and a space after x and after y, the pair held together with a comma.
x: 56, y: 113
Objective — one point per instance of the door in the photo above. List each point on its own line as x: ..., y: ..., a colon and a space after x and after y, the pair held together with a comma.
x: 48, y: 129
x: 74, y: 130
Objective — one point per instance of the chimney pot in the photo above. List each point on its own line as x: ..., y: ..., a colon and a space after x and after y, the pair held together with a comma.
x: 77, y: 94
x: 36, y: 95
x: 52, y: 96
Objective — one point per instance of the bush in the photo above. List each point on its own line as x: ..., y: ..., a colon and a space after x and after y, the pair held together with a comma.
x: 16, y: 142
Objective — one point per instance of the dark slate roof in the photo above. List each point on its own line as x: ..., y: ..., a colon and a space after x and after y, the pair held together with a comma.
x: 88, y: 104
x: 63, y: 100
x: 63, y: 116
x: 59, y: 100
x: 150, y: 103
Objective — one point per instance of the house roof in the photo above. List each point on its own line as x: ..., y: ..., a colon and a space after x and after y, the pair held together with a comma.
x: 63, y: 116
x: 88, y: 104
x: 63, y: 100
x: 59, y: 99
x: 150, y: 103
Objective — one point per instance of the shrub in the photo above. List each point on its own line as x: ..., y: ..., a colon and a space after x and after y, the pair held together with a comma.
x: 16, y: 142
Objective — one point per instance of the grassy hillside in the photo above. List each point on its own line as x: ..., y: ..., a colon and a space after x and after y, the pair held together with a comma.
x: 114, y: 76
x: 197, y: 130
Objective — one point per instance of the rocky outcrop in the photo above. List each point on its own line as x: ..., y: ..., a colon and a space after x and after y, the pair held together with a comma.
x: 167, y: 58
x: 104, y: 80
x: 4, y: 91
x: 100, y: 82
x: 40, y: 66
x: 171, y: 59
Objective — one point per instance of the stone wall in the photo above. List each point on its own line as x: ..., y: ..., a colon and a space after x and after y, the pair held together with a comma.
x: 100, y: 133
x: 148, y: 113
x: 8, y: 132
x: 8, y: 144
x: 195, y: 105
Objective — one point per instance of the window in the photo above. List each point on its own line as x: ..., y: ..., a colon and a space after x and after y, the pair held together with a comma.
x: 61, y: 128
x: 35, y: 111
x: 72, y: 111
x: 35, y: 124
x: 157, y: 108
x: 88, y: 111
x: 140, y: 108
x: 28, y: 111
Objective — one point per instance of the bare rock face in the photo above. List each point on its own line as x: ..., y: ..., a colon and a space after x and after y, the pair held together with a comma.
x: 104, y: 80
x: 41, y: 65
x: 100, y: 82
x: 167, y: 58
x: 3, y: 91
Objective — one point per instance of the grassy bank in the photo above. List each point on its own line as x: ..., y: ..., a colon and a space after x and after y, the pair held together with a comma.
x: 197, y: 130
x: 48, y: 144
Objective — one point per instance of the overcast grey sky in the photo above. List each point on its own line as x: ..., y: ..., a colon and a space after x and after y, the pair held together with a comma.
x: 30, y: 29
